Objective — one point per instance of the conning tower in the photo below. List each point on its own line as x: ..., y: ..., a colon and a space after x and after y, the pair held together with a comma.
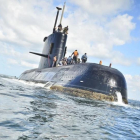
x: 55, y: 45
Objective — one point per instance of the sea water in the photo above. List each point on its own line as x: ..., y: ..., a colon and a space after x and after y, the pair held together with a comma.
x: 30, y: 111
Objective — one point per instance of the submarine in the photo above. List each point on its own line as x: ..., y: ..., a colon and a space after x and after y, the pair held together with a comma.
x: 87, y: 80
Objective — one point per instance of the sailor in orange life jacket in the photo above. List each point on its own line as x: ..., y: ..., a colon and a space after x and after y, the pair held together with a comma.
x: 75, y: 55
x: 100, y: 62
x: 54, y: 61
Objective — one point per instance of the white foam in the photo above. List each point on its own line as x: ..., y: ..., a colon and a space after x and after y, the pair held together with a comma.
x: 119, y: 97
x: 48, y: 85
x: 120, y: 101
x: 16, y: 81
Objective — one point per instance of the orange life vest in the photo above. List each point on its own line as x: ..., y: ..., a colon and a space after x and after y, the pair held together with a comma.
x: 100, y: 63
x: 75, y: 53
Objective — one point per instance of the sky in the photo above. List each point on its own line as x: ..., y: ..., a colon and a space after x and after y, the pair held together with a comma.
x: 107, y: 30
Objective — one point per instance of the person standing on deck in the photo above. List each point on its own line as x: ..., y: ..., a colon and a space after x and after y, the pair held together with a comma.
x: 69, y: 60
x: 84, y: 58
x: 65, y: 30
x: 59, y: 28
x: 110, y: 65
x: 54, y: 61
x: 75, y: 55
x: 100, y: 62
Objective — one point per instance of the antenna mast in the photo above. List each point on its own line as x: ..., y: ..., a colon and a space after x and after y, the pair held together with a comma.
x: 62, y: 13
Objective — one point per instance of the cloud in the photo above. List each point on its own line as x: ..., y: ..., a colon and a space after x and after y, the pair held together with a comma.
x: 22, y: 63
x: 118, y: 58
x: 17, y: 58
x: 119, y: 29
x: 138, y: 61
x: 139, y: 18
x: 25, y: 23
x: 99, y: 38
x: 8, y: 50
x: 30, y: 65
x: 12, y: 61
x: 104, y: 7
x: 133, y: 86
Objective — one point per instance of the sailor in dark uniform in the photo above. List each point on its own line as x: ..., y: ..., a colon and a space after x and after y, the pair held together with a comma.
x: 59, y: 28
x: 65, y: 31
x: 84, y: 58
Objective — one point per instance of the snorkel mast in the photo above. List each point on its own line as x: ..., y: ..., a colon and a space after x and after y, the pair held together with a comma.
x: 56, y: 18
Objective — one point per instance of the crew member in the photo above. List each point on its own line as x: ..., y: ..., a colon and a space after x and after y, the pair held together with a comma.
x: 54, y: 61
x: 75, y: 55
x: 100, y: 62
x: 65, y: 31
x: 69, y: 60
x: 59, y: 28
x: 84, y: 58
x: 60, y: 63
x: 78, y: 60
x: 64, y: 61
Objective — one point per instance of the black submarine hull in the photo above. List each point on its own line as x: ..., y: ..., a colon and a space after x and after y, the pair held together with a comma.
x: 100, y: 81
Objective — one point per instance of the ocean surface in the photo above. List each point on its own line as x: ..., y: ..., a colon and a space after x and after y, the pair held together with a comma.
x: 29, y: 111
